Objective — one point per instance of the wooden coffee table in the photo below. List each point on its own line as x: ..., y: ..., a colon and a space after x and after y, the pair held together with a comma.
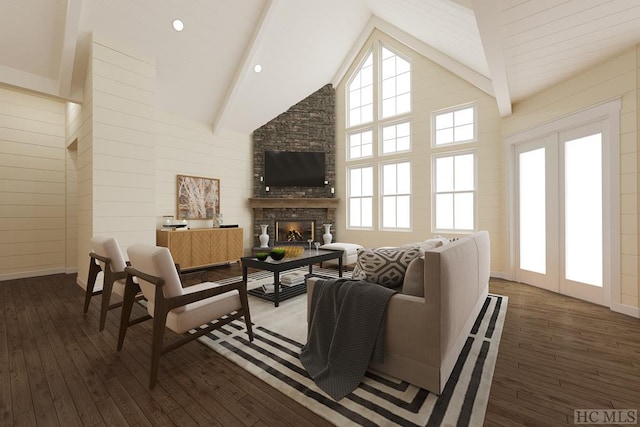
x: 308, y: 257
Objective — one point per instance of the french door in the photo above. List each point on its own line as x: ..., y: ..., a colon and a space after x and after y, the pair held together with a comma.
x: 560, y: 213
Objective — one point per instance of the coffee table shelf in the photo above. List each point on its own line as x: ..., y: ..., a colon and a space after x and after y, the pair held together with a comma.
x: 308, y: 258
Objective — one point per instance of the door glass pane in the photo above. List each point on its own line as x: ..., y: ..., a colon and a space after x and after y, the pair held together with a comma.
x: 532, y: 209
x: 583, y: 210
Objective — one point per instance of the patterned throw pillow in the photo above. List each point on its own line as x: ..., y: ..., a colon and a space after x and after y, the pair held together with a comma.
x: 384, y: 266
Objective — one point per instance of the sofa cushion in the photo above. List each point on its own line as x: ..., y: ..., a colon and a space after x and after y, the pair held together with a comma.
x: 413, y: 283
x: 384, y: 266
x: 428, y: 244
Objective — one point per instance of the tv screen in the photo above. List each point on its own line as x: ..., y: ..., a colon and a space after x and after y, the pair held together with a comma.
x: 294, y: 168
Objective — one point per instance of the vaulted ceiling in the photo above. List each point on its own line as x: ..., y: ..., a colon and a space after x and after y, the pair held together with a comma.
x: 509, y: 48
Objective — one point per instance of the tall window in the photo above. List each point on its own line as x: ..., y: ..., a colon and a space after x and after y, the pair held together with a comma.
x: 396, y: 84
x: 454, y: 126
x: 361, y: 197
x: 454, y: 192
x: 361, y: 94
x: 361, y: 144
x: 379, y: 128
x: 396, y: 138
x: 396, y: 195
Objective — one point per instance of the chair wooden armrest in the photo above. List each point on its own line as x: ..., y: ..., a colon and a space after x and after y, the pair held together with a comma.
x: 162, y: 306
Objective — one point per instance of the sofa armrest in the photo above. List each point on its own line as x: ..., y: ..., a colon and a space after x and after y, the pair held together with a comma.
x: 412, y: 324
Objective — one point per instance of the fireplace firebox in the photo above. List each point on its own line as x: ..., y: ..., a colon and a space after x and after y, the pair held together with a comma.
x: 292, y: 231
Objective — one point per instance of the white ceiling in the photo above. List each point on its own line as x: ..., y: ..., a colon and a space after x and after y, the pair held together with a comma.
x: 509, y: 48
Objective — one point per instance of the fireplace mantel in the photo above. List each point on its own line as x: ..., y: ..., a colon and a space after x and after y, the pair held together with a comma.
x: 260, y: 203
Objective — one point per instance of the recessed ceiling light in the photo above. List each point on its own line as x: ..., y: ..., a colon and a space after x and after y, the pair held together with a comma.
x: 178, y: 25
x: 257, y: 68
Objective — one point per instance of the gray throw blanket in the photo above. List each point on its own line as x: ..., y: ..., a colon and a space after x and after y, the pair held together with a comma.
x: 346, y: 331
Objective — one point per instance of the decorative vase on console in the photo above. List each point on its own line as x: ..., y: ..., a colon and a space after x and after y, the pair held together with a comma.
x: 264, y: 237
x: 327, y: 237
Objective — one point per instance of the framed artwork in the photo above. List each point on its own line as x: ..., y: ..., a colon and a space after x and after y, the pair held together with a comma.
x: 198, y: 197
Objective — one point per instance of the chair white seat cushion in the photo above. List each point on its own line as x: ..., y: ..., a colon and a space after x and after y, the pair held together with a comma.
x: 350, y: 254
x: 200, y: 312
x: 118, y: 285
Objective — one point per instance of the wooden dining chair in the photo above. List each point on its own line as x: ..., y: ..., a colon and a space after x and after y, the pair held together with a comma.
x: 177, y: 308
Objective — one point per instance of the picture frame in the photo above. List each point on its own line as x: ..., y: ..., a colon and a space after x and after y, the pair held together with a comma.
x: 197, y: 197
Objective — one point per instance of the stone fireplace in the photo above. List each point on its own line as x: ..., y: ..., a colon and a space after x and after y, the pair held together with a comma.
x: 275, y: 212
x: 288, y: 231
x: 308, y: 125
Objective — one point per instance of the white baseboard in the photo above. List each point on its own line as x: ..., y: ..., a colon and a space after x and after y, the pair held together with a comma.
x: 34, y: 273
x: 626, y: 309
x: 618, y: 308
x: 501, y: 275
x: 81, y: 283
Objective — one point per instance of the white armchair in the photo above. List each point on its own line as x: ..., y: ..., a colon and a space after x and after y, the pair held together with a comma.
x: 177, y: 308
x: 106, y: 258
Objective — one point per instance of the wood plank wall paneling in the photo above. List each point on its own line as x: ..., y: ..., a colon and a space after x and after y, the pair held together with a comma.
x: 32, y: 184
x: 185, y: 147
x: 73, y: 127
x: 83, y: 129
x: 123, y: 146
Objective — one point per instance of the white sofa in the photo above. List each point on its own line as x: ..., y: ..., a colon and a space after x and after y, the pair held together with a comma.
x: 425, y: 334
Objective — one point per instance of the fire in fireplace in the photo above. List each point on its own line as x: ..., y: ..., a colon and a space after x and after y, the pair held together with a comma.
x: 294, y: 231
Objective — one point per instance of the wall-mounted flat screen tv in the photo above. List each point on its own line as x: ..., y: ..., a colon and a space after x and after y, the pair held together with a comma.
x: 294, y: 168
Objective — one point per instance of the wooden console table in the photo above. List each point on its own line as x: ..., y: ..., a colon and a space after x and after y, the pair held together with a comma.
x: 202, y: 247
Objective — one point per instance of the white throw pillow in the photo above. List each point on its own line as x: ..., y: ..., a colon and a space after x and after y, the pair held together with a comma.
x: 413, y: 283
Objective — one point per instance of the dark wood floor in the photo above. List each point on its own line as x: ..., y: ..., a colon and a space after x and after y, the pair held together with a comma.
x: 556, y: 355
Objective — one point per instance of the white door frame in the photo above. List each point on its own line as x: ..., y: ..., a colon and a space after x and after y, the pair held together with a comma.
x: 609, y: 112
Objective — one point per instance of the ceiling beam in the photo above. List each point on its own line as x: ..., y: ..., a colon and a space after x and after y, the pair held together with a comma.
x: 68, y: 48
x: 245, y: 64
x: 488, y: 20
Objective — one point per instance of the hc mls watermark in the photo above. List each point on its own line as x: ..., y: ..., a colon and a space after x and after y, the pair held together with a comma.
x: 605, y: 416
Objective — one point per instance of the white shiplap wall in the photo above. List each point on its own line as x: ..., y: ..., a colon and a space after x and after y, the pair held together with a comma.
x: 32, y: 185
x: 123, y: 145
x: 73, y: 119
x: 108, y: 166
x: 80, y: 123
x: 186, y: 147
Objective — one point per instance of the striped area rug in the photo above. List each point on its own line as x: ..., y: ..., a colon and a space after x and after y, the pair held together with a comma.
x: 379, y: 400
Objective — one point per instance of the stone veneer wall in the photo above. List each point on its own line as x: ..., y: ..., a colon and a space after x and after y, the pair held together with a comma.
x: 307, y: 126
